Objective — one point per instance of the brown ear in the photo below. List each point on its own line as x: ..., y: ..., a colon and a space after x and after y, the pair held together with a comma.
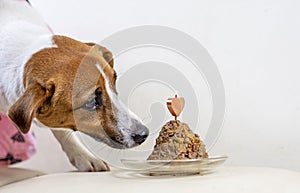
x: 28, y: 105
x: 107, y: 55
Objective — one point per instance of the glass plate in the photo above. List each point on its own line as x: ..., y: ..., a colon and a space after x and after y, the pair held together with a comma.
x: 175, y: 167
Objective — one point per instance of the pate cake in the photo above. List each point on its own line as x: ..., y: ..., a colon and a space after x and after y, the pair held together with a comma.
x: 176, y: 141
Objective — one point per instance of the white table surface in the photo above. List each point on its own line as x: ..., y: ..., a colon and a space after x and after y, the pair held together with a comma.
x: 223, y: 180
x: 10, y: 175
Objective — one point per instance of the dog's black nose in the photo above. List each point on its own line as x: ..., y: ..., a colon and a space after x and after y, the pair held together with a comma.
x: 139, y: 139
x: 141, y: 136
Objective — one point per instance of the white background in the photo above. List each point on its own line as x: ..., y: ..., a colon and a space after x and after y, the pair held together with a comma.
x: 255, y: 45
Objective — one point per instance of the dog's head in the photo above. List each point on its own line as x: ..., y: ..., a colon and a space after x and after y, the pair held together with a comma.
x: 73, y: 86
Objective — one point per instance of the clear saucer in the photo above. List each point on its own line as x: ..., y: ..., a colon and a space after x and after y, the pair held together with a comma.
x: 175, y: 167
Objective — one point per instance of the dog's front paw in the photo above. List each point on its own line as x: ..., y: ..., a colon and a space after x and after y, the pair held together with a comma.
x: 77, y: 153
x: 86, y: 163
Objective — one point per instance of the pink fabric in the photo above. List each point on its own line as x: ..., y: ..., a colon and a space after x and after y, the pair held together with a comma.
x: 14, y: 146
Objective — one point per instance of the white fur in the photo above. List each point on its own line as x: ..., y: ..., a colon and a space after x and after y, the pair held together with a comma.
x: 124, y: 115
x: 22, y: 33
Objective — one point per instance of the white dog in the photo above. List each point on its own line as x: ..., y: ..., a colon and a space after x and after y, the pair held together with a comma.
x: 63, y: 83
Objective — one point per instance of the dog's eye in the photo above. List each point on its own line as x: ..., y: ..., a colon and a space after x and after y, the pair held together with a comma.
x: 90, y: 105
x: 98, y: 92
x: 94, y: 103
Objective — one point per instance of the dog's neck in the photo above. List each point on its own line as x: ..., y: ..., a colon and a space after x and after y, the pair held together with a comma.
x: 22, y: 33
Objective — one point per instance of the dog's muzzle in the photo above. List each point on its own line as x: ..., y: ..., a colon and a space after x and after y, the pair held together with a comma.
x: 134, y: 136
